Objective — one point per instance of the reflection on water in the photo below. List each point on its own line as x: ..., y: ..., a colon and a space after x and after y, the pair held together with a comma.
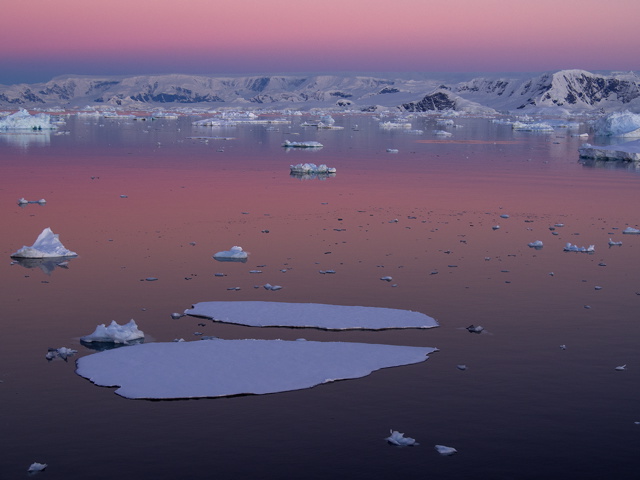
x: 611, y: 164
x: 422, y: 216
x: 47, y: 265
x: 102, y: 346
x: 26, y: 140
x: 311, y: 176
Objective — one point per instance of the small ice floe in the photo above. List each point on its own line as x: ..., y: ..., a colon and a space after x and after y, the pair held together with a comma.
x: 537, y: 244
x: 461, y: 367
x: 23, y: 120
x: 124, y: 196
x: 597, y: 287
x: 386, y: 279
x: 442, y: 133
x: 398, y: 439
x: 235, y: 254
x: 36, y: 467
x: 288, y: 144
x: 47, y: 245
x: 612, y: 243
x: 496, y: 227
x: 621, y: 367
x: 176, y: 316
x: 268, y: 286
x: 504, y: 215
x: 443, y: 450
x: 311, y: 168
x: 23, y: 201
x: 62, y: 352
x: 575, y: 248
x: 115, y: 333
x: 631, y: 230
x: 475, y: 328
x: 151, y: 279
x: 532, y: 127
x: 392, y: 150
x: 563, y: 347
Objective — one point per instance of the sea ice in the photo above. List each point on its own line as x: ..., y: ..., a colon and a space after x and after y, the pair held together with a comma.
x: 306, y: 168
x: 575, y: 248
x: 398, y: 439
x: 218, y: 368
x: 443, y: 450
x: 313, y: 315
x: 619, y: 124
x: 235, y: 253
x: 23, y: 120
x: 47, y: 245
x: 115, y: 333
x: 288, y: 144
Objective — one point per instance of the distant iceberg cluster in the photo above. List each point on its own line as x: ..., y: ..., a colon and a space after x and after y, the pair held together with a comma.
x: 23, y: 120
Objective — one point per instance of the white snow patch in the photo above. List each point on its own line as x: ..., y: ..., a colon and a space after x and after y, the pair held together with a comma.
x: 235, y: 367
x: 313, y: 315
x: 47, y: 245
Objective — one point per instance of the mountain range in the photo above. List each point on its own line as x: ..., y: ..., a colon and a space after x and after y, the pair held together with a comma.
x: 564, y: 91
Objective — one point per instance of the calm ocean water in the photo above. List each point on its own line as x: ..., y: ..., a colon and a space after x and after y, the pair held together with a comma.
x: 523, y: 409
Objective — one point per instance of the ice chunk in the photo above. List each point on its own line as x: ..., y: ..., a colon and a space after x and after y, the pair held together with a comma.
x: 115, y: 333
x: 392, y: 150
x: 575, y: 248
x: 235, y: 253
x: 532, y: 127
x: 23, y: 120
x: 537, y: 244
x: 62, y: 352
x: 235, y: 367
x: 475, y: 328
x: 314, y: 315
x: 36, y: 467
x: 631, y: 230
x: 386, y: 279
x: 626, y: 152
x: 307, y: 168
x: 442, y: 133
x: 268, y: 286
x: 398, y: 439
x: 47, y: 245
x: 611, y: 242
x: 288, y: 144
x: 621, y: 367
x: 619, y: 124
x: 443, y: 450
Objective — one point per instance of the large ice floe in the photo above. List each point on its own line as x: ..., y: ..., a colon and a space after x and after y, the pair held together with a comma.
x: 47, y: 245
x: 217, y: 368
x: 626, y: 152
x: 23, y: 120
x: 115, y: 333
x: 235, y: 254
x: 312, y: 315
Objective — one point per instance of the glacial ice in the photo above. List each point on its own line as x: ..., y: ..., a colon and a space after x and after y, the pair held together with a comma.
x: 47, y: 245
x: 313, y: 315
x: 626, y: 152
x: 235, y: 253
x: 217, y: 368
x: 115, y: 333
x: 23, y: 120
x: 619, y: 124
x: 398, y: 439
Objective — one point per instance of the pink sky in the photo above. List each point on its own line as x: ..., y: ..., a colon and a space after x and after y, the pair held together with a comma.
x: 45, y: 38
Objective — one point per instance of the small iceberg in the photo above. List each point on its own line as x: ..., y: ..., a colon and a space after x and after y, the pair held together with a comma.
x: 23, y: 120
x: 36, y: 467
x: 475, y: 328
x: 537, y: 244
x: 62, y: 352
x: 398, y: 439
x: 443, y: 450
x: 575, y: 248
x: 47, y: 245
x: 624, y: 152
x: 115, y: 333
x: 307, y: 168
x: 619, y: 124
x: 288, y: 144
x: 631, y: 230
x: 620, y: 368
x: 612, y: 242
x: 235, y: 254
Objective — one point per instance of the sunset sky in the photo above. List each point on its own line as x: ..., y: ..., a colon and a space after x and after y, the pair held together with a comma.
x: 42, y: 38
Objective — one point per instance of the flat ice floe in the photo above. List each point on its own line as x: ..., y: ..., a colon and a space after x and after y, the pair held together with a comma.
x: 625, y: 152
x: 218, y: 368
x: 47, y: 245
x: 313, y: 315
x: 234, y: 254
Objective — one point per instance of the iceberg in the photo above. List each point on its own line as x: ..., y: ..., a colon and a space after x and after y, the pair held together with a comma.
x: 23, y: 120
x: 626, y: 152
x: 234, y: 254
x: 115, y: 333
x: 36, y: 467
x: 219, y: 368
x: 312, y: 315
x: 47, y: 245
x: 575, y: 248
x: 537, y: 244
x: 631, y: 230
x: 444, y: 450
x: 398, y: 439
x: 619, y: 124
x: 613, y: 242
x: 288, y: 144
x: 306, y: 168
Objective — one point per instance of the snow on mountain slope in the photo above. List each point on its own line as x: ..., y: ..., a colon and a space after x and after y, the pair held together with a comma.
x: 557, y: 92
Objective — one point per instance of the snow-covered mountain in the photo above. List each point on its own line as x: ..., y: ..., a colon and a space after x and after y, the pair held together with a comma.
x: 565, y: 90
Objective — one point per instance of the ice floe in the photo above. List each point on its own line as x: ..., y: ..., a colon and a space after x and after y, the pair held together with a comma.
x: 625, y: 152
x: 234, y: 254
x: 115, y: 333
x: 444, y: 450
x: 531, y: 127
x: 47, y: 245
x: 314, y: 315
x: 288, y: 144
x: 575, y: 248
x: 537, y: 244
x: 36, y: 467
x: 62, y: 352
x: 23, y: 201
x: 23, y: 120
x: 631, y: 230
x: 217, y: 368
x: 398, y: 439
x: 613, y: 242
x: 306, y: 168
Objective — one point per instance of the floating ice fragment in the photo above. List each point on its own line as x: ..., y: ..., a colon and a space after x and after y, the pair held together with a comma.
x: 611, y: 243
x: 288, y: 144
x: 443, y: 450
x: 575, y: 248
x: 563, y: 347
x: 398, y: 439
x: 176, y: 316
x: 386, y: 279
x: 311, y: 168
x: 504, y: 215
x: 619, y: 124
x: 461, y: 367
x: 537, y: 244
x: 234, y: 254
x: 631, y: 230
x: 47, y: 245
x: 23, y: 120
x: 532, y: 127
x: 392, y: 150
x: 36, y: 467
x: 115, y: 333
x: 475, y: 328
x: 496, y: 227
x: 442, y: 133
x: 62, y: 352
x: 598, y: 287
x: 151, y: 279
x: 621, y: 367
x: 268, y: 286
